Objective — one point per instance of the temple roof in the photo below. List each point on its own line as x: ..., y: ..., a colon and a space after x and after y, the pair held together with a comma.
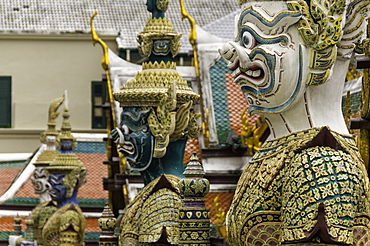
x: 114, y: 16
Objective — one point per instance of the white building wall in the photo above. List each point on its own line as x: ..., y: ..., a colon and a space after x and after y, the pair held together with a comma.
x: 42, y: 67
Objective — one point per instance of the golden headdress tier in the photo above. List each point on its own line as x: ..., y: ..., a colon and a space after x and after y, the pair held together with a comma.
x: 151, y: 85
x: 158, y: 30
x: 158, y: 38
x: 65, y: 133
x: 67, y: 162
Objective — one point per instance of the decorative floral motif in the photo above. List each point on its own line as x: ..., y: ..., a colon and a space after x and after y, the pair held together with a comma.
x: 301, y: 179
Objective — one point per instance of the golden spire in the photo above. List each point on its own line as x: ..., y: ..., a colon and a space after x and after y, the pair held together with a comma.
x: 48, y: 137
x: 67, y: 162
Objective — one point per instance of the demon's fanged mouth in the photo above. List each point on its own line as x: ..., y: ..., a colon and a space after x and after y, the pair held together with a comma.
x: 128, y: 148
x: 254, y: 72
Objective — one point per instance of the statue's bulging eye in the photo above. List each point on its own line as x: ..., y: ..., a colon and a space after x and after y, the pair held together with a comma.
x: 248, y: 40
x: 125, y: 129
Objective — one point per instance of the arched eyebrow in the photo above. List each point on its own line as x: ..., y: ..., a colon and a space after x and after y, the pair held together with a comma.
x: 282, y: 20
x: 56, y: 179
x: 282, y: 38
x: 135, y: 118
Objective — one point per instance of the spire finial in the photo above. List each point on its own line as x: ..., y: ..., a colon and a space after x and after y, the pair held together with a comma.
x: 66, y: 140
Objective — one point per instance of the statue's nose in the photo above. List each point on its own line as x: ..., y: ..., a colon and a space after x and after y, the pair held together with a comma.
x: 227, y: 52
x: 231, y: 50
x: 242, y: 53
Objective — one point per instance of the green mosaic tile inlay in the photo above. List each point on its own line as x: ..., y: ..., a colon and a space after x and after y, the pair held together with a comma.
x: 355, y: 102
x: 82, y: 202
x: 89, y: 236
x: 92, y: 236
x: 12, y: 164
x: 4, y: 235
x: 88, y: 202
x: 90, y: 148
x: 23, y: 201
x: 221, y: 111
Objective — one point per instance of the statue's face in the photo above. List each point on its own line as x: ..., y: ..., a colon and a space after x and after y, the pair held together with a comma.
x: 138, y: 140
x: 266, y: 58
x: 66, y: 145
x: 57, y: 190
x: 40, y: 180
x: 161, y: 47
x: 50, y: 140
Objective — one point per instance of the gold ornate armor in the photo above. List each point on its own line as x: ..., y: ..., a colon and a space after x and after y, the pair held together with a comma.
x: 66, y: 174
x: 153, y: 216
x: 301, y: 186
x: 40, y: 215
x: 65, y: 227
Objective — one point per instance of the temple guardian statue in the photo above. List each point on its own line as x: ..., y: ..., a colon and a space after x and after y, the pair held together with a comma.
x: 66, y: 226
x: 307, y: 185
x: 156, y: 122
x: 42, y: 212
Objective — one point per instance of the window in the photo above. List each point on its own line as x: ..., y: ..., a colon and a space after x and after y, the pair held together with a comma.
x: 5, y: 101
x: 98, y: 98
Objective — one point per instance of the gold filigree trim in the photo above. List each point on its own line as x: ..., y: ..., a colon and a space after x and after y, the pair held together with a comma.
x: 151, y: 84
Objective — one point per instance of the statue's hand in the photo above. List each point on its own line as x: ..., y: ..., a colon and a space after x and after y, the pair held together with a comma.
x: 117, y: 135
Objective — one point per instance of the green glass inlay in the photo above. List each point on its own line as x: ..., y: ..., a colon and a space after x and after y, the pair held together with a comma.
x: 219, y: 94
x: 90, y: 148
x: 82, y: 202
x: 12, y: 164
x: 89, y: 236
x: 355, y: 102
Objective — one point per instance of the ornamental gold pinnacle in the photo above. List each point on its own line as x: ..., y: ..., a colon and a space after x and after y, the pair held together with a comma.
x: 159, y: 43
x: 67, y: 162
x: 48, y: 137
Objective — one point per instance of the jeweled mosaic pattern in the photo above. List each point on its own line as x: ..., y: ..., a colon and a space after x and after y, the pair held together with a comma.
x: 90, y: 148
x: 228, y: 102
x: 219, y: 93
x: 285, y: 182
x: 156, y: 205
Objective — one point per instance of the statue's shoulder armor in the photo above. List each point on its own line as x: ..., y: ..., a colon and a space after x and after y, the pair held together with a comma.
x: 322, y: 188
x: 67, y: 218
x: 154, y: 212
x: 42, y: 212
x: 72, y: 218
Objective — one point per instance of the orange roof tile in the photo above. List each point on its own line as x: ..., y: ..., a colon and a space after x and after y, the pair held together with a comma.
x: 191, y: 146
x: 237, y: 104
x: 6, y: 177
x: 93, y: 189
x: 7, y: 223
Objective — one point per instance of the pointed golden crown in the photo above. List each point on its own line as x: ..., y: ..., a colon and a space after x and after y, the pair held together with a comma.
x: 151, y: 85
